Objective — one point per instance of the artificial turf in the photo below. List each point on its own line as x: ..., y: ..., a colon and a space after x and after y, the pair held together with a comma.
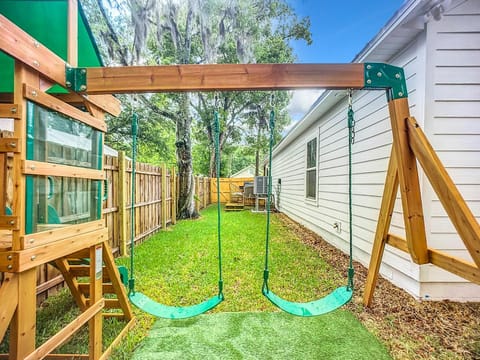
x: 250, y: 335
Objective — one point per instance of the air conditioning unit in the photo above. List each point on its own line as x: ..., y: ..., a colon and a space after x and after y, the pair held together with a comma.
x: 260, y: 185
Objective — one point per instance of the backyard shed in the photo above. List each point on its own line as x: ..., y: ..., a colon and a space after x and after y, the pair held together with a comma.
x: 438, y: 45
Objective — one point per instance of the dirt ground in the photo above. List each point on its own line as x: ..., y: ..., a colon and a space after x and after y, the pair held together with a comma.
x: 410, y: 329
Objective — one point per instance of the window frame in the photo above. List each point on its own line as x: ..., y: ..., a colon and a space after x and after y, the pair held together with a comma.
x: 310, y: 199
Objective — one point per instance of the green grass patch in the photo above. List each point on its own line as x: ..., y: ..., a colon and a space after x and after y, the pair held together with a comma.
x: 179, y: 266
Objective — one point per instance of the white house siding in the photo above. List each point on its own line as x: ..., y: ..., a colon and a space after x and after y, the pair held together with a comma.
x: 371, y: 152
x: 453, y: 110
x: 448, y: 112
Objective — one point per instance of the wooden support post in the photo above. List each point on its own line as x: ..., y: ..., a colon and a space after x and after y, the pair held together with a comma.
x: 383, y: 224
x: 205, y: 193
x: 409, y: 182
x: 95, y: 323
x: 9, y: 296
x: 462, y: 218
x: 22, y: 335
x: 196, y: 198
x: 122, y: 201
x: 117, y: 285
x: 23, y: 325
x: 72, y: 283
x: 173, y: 190
x: 3, y: 182
x: 72, y: 33
x: 164, y: 197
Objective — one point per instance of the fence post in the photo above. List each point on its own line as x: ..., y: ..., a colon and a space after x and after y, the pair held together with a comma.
x: 196, y: 198
x: 122, y: 201
x: 205, y: 194
x: 164, y: 196
x: 173, y: 195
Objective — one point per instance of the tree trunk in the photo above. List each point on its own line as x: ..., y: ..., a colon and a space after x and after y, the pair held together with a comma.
x: 186, y: 188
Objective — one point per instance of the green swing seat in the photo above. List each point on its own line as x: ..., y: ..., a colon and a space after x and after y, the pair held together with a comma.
x: 154, y: 308
x: 331, y: 302
x: 339, y: 296
x: 142, y: 301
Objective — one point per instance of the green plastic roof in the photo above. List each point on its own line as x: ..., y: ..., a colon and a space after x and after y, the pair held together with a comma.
x: 46, y: 21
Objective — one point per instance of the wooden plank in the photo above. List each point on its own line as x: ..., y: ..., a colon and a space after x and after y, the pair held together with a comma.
x: 47, y: 285
x: 409, y: 182
x: 53, y: 235
x: 457, y: 209
x: 31, y: 167
x: 51, y: 102
x: 95, y: 323
x: 30, y: 258
x: 453, y: 264
x: 164, y: 197
x: 223, y: 77
x: 117, y: 285
x: 9, y: 222
x: 9, y: 296
x: 10, y: 145
x: 10, y: 111
x: 122, y: 202
x: 72, y: 283
x: 85, y: 288
x: 383, y: 224
x: 67, y: 332
x: 3, y: 183
x: 107, y: 103
x: 22, y: 327
x: 22, y: 75
x: 18, y: 44
x: 72, y: 33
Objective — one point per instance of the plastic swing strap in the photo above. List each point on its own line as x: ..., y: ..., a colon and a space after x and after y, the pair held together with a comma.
x: 145, y: 303
x: 332, y: 301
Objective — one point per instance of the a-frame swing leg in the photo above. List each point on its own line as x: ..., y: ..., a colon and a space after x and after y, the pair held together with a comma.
x: 402, y: 171
x: 384, y: 219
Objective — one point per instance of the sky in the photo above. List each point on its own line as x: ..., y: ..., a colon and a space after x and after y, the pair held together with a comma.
x: 340, y: 30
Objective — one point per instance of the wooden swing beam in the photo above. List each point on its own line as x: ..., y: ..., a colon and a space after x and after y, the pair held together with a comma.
x: 36, y: 66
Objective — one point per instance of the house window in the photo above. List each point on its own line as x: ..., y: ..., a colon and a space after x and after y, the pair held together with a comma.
x: 311, y: 172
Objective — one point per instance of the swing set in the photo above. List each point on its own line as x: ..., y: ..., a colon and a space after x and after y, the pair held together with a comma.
x: 333, y: 301
x: 37, y: 68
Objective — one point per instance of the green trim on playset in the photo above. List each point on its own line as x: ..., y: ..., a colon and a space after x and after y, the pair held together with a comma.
x: 331, y: 302
x: 29, y: 178
x: 76, y: 78
x: 385, y: 76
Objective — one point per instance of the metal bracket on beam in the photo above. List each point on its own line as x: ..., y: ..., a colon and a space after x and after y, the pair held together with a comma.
x: 76, y: 78
x: 385, y: 76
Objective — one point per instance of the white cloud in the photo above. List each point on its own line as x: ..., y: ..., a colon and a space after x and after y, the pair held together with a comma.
x: 301, y: 102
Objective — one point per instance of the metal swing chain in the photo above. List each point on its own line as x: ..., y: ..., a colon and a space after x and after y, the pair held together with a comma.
x: 216, y: 127
x: 269, y: 195
x: 351, y: 141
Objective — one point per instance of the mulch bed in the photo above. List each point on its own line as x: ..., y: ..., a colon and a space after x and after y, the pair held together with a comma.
x: 409, y: 328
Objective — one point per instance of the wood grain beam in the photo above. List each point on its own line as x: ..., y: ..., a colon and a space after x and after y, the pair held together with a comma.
x: 409, y: 182
x: 223, y: 77
x: 457, y: 209
x: 453, y: 264
x: 383, y: 225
